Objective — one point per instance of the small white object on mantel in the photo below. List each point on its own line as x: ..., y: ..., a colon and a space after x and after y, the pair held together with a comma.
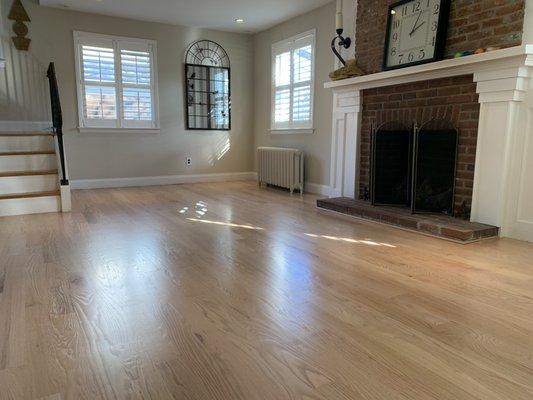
x: 503, y: 193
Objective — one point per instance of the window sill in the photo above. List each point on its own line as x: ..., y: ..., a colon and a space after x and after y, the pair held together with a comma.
x: 121, y: 130
x: 292, y: 131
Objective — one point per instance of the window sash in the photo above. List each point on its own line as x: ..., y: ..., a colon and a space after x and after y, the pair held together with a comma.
x: 119, y: 45
x: 292, y: 45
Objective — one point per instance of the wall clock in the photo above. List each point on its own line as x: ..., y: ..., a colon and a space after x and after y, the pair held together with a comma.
x: 416, y: 32
x: 207, y: 80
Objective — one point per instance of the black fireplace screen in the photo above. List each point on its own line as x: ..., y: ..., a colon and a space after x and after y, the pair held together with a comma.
x: 391, y: 176
x: 434, y: 169
x: 414, y: 167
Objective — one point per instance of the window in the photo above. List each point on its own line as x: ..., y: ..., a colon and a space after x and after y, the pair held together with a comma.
x: 293, y: 73
x: 117, y: 82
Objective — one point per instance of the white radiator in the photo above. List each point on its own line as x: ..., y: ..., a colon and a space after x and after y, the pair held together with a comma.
x: 281, y: 167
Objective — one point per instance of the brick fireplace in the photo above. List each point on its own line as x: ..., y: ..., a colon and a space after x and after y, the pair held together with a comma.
x: 454, y: 99
x: 488, y: 97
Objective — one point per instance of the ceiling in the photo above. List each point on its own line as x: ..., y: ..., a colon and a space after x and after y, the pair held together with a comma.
x: 214, y: 14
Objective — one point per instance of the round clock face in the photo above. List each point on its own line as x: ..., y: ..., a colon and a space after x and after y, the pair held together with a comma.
x: 414, y: 32
x: 207, y: 53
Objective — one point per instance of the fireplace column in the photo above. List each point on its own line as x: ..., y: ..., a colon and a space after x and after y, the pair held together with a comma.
x: 345, y: 143
x: 503, y: 194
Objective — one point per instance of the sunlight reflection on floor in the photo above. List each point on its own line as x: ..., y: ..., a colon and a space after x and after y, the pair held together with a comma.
x: 367, y: 242
x: 200, y: 209
x: 205, y: 221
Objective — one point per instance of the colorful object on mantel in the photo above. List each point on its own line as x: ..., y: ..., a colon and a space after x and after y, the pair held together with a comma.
x: 18, y: 14
x: 463, y: 54
x: 479, y: 50
x: 348, y: 71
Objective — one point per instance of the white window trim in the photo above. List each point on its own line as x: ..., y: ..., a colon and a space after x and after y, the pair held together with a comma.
x: 290, y: 127
x: 81, y: 38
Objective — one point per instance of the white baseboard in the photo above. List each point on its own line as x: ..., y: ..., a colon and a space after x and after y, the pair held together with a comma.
x: 159, y: 180
x: 316, y: 188
x: 20, y: 126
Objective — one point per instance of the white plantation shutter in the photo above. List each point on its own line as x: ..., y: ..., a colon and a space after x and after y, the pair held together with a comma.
x: 293, y: 82
x: 99, y: 89
x: 137, y: 84
x: 117, y: 85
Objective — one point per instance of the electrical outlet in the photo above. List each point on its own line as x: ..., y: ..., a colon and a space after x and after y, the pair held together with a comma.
x: 189, y: 161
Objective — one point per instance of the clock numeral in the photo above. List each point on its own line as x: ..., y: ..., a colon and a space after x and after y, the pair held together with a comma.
x: 421, y: 55
x: 433, y: 41
x: 393, y: 51
x: 404, y: 11
x: 396, y: 24
x: 395, y: 36
x: 411, y: 57
x: 400, y: 57
x: 436, y: 8
x: 434, y: 26
x: 416, y: 7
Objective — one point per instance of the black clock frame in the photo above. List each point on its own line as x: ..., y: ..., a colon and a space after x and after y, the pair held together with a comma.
x: 440, y: 39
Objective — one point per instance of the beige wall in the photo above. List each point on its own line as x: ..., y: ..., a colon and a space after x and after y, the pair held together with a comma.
x: 317, y: 146
x: 120, y: 155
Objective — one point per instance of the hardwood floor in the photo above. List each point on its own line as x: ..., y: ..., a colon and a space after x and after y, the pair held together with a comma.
x: 227, y: 291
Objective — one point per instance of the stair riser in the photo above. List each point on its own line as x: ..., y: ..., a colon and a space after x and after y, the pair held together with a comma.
x: 28, y: 163
x: 28, y: 184
x: 30, y: 143
x: 33, y: 205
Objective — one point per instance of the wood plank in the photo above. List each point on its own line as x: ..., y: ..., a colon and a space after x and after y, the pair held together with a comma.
x: 26, y: 153
x: 28, y: 195
x: 28, y: 173
x: 24, y: 134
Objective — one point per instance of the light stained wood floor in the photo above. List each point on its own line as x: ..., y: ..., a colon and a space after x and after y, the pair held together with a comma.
x: 146, y: 293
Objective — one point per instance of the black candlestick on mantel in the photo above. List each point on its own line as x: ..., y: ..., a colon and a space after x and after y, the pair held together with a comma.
x: 343, y: 42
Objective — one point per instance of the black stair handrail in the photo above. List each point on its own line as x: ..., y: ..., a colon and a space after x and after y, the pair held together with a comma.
x: 57, y: 119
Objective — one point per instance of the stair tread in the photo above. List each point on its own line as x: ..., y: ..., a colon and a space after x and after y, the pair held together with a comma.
x: 26, y: 153
x: 25, y: 133
x: 29, y: 173
x: 29, y: 195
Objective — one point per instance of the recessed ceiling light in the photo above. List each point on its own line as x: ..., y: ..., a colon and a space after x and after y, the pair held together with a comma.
x: 239, y: 20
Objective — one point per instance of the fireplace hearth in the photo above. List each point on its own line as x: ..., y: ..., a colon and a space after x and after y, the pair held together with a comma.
x: 414, y: 167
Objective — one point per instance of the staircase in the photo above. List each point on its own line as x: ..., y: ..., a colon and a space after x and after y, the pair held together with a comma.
x: 29, y: 177
x: 33, y: 177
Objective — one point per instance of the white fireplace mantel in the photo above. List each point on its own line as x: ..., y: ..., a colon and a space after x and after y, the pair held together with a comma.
x: 503, y: 182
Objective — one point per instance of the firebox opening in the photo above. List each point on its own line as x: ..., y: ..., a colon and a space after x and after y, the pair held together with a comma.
x: 415, y: 167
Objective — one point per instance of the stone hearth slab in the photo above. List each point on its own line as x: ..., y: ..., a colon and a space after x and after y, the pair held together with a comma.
x: 437, y: 225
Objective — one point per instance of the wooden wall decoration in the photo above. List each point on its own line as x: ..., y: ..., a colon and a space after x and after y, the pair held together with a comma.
x: 19, y: 15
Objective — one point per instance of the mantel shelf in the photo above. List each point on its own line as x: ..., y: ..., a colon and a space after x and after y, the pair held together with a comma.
x: 494, y: 60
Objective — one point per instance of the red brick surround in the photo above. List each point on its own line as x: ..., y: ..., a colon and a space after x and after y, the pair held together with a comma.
x: 451, y: 98
x: 472, y: 24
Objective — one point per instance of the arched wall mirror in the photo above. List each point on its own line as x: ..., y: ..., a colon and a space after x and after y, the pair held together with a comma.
x: 208, y: 88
